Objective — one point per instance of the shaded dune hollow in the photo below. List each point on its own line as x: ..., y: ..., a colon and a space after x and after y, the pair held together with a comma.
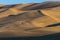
x: 33, y: 19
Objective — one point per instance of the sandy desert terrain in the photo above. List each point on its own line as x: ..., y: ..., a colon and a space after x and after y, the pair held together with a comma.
x: 26, y: 20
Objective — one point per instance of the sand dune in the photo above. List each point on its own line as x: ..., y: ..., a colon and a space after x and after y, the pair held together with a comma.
x: 37, y: 19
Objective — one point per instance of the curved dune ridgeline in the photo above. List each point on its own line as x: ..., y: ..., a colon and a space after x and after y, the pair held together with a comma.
x: 26, y: 20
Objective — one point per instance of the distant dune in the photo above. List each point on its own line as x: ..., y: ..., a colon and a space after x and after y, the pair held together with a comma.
x: 1, y: 5
x: 36, y: 19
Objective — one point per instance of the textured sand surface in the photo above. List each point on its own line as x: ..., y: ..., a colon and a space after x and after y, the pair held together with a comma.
x: 24, y: 20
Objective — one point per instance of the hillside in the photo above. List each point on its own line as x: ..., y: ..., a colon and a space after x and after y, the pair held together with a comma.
x: 37, y: 19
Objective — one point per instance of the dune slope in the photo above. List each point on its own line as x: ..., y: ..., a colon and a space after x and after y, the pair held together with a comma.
x: 37, y: 19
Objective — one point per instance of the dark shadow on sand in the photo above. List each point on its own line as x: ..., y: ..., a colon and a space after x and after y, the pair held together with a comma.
x: 53, y: 25
x: 46, y: 37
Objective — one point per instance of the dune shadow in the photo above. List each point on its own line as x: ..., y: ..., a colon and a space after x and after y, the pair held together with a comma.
x: 6, y: 7
x: 40, y: 6
x: 55, y: 36
x: 53, y: 25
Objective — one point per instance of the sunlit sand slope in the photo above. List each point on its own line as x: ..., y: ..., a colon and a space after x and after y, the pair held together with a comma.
x: 25, y: 20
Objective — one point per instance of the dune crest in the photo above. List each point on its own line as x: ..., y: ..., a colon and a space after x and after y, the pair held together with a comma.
x: 35, y: 19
